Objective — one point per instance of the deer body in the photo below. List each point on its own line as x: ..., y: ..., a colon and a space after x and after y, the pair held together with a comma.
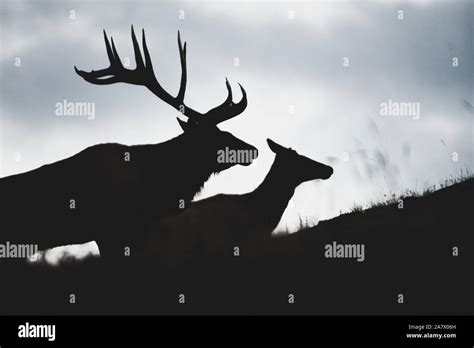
x: 107, y: 182
x: 218, y: 224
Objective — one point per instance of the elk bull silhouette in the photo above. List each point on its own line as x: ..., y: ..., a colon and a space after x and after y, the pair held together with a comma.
x: 107, y: 192
x: 215, y: 225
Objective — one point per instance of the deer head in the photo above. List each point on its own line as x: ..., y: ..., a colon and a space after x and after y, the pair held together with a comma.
x: 297, y: 168
x: 201, y: 128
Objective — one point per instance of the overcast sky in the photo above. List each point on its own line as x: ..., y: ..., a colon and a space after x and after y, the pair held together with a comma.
x: 300, y: 94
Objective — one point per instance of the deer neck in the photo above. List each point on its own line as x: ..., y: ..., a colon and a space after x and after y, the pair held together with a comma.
x: 189, y: 167
x: 199, y: 163
x: 274, y: 193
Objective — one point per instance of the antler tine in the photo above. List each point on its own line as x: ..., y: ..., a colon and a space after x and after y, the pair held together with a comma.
x: 228, y: 101
x: 108, y: 49
x: 136, y: 49
x: 182, y: 58
x: 117, y: 60
x: 243, y: 102
x: 148, y: 63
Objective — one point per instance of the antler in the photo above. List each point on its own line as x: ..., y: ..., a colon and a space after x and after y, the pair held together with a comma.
x: 143, y: 75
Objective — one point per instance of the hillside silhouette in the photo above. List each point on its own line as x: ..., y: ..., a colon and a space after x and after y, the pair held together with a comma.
x: 408, y: 251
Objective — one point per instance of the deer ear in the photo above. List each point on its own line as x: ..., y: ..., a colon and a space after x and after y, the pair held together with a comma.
x: 184, y: 125
x: 274, y: 146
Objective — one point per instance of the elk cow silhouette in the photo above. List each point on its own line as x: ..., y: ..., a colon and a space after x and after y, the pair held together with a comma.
x: 108, y: 191
x: 217, y: 224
